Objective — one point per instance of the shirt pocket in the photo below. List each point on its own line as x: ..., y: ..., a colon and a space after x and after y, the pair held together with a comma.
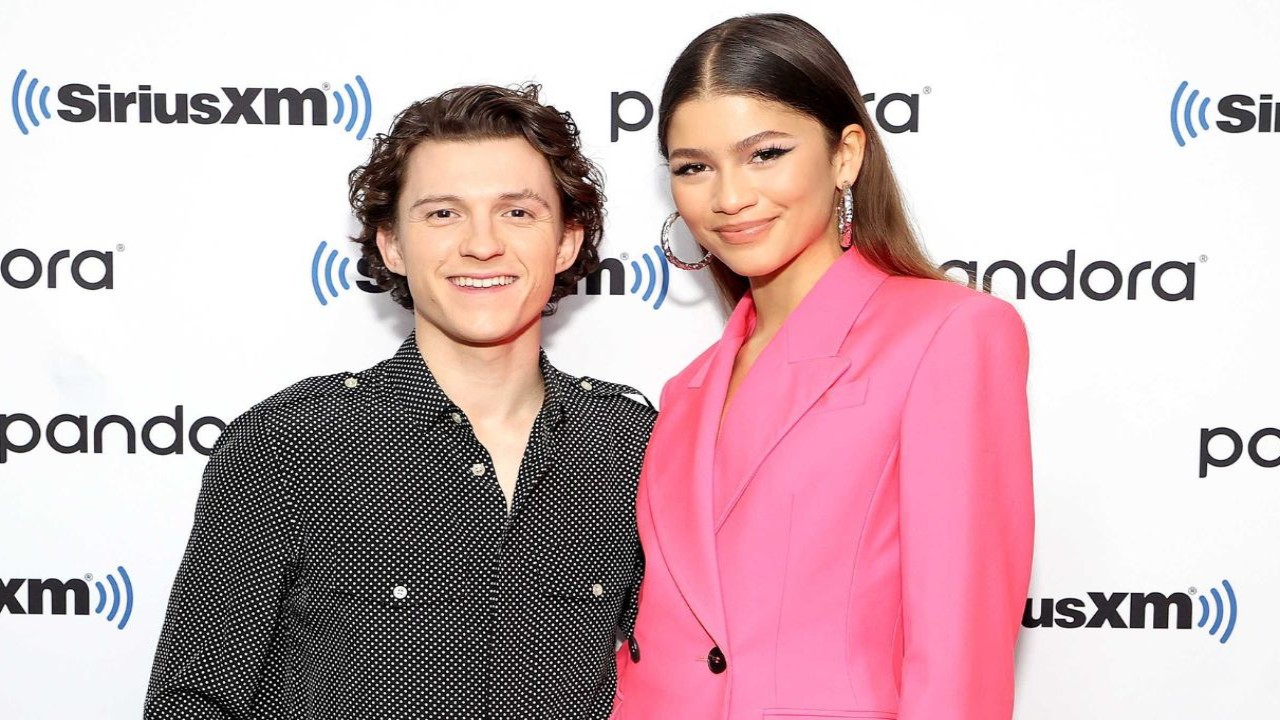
x: 399, y: 612
x: 394, y: 577
x: 594, y: 579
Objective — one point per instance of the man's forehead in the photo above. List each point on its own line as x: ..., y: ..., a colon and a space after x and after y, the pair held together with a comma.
x: 513, y: 153
x: 479, y: 169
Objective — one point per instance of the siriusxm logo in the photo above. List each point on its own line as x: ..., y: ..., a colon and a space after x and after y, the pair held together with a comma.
x: 80, y: 103
x: 327, y: 274
x: 50, y: 596
x: 1154, y: 610
x: 649, y: 281
x: 331, y: 276
x: 1188, y: 114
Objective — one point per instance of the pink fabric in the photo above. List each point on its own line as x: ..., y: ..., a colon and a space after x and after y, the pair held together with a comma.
x: 871, y: 554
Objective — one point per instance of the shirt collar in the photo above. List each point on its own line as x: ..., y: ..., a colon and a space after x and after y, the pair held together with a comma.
x: 415, y: 387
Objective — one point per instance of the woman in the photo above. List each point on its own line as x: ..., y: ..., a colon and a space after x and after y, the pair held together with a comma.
x: 836, y: 505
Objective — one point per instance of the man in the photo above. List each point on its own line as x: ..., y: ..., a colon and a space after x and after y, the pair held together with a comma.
x: 450, y: 533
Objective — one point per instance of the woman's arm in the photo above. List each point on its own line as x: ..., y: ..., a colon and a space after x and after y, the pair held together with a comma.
x: 966, y: 516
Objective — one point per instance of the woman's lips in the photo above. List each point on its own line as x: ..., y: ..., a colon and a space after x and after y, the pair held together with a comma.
x: 744, y: 232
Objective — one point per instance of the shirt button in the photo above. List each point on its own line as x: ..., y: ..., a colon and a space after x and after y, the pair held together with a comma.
x: 597, y: 589
x: 586, y: 385
x: 400, y: 592
x: 351, y: 382
x: 456, y: 418
x: 477, y: 469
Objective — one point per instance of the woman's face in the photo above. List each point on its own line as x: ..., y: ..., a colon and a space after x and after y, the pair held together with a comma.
x: 757, y: 182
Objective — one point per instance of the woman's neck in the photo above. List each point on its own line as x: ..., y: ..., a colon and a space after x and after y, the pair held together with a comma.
x: 776, y: 295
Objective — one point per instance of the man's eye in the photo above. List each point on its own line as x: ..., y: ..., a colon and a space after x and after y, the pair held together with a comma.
x: 690, y: 169
x: 520, y: 213
x: 442, y: 214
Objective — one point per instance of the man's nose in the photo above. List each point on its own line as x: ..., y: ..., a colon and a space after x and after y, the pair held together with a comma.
x: 482, y: 240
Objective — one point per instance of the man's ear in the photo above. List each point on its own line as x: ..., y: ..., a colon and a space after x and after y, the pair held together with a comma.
x: 389, y: 246
x: 570, y: 244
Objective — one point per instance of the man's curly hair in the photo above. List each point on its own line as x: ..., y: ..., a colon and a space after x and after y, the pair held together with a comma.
x: 480, y: 112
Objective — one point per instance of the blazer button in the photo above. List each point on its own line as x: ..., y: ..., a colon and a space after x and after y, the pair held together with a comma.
x: 716, y: 661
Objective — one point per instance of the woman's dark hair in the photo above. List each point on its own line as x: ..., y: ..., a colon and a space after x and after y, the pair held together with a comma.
x: 479, y: 112
x: 783, y: 59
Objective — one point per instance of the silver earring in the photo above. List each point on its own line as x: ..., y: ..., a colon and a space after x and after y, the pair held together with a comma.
x: 844, y: 220
x: 666, y: 247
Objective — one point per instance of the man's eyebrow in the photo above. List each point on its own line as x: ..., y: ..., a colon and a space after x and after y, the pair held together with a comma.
x: 431, y: 199
x: 525, y: 194
x: 738, y: 147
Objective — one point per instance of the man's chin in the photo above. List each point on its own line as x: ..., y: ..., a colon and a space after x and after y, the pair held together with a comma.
x: 481, y: 335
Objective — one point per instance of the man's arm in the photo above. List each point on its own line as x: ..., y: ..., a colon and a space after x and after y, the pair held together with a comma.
x: 226, y: 600
x: 627, y: 622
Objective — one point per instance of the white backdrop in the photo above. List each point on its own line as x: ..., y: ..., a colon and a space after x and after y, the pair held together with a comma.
x: 1043, y: 131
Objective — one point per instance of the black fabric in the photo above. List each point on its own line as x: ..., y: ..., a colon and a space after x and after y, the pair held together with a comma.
x: 353, y: 557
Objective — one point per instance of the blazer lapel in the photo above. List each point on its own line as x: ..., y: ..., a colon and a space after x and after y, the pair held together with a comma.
x: 679, y: 481
x: 799, y: 365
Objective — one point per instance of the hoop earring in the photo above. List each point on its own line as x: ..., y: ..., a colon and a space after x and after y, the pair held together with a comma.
x: 666, y: 247
x: 844, y: 219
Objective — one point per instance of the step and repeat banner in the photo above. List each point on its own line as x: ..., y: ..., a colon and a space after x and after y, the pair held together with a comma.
x: 174, y: 247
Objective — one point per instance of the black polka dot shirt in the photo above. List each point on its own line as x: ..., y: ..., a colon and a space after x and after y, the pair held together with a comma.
x: 353, y: 557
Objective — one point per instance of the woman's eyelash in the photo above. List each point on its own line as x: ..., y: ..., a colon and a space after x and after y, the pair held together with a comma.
x: 771, y: 153
x: 763, y: 154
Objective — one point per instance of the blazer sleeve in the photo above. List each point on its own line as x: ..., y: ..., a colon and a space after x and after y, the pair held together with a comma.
x: 225, y: 605
x: 966, y: 516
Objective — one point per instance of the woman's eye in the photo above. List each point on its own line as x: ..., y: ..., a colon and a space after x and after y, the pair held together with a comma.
x: 770, y: 153
x: 690, y: 168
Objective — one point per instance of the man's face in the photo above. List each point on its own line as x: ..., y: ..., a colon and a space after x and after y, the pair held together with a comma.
x: 480, y: 235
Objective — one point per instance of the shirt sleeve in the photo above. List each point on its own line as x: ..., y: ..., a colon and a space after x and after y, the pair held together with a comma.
x: 627, y: 623
x: 224, y: 608
x: 966, y: 516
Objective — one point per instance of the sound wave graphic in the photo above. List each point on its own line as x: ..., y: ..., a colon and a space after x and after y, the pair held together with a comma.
x: 1179, y: 111
x: 28, y: 104
x: 1219, y: 613
x: 116, y: 594
x: 658, y: 272
x: 357, y: 108
x: 327, y: 276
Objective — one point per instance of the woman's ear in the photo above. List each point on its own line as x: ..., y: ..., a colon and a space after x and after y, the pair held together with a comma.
x: 849, y: 151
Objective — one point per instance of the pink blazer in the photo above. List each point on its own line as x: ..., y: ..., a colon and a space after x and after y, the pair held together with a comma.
x: 874, y: 557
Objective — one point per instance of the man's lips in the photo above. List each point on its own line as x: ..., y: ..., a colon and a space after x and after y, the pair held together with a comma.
x: 482, y: 280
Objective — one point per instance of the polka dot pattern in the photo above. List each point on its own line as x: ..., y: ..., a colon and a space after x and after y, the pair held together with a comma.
x: 348, y: 561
